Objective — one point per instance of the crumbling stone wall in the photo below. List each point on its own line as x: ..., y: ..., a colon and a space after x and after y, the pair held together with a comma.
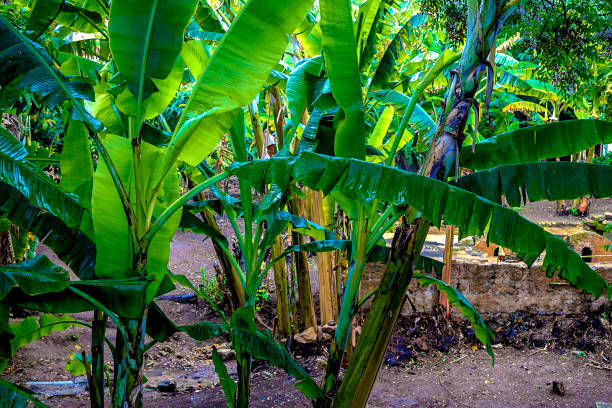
x: 500, y: 289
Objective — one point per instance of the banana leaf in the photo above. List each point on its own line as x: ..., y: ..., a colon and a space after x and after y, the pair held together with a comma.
x: 40, y: 189
x: 534, y: 143
x: 261, y: 345
x: 342, y: 67
x: 72, y: 246
x: 540, y: 181
x: 360, y: 181
x: 231, y: 80
x: 419, y: 119
x: 146, y: 38
x: 42, y: 15
x: 297, y: 87
x: 38, y: 284
x: 455, y: 298
x: 228, y: 385
x: 28, y: 66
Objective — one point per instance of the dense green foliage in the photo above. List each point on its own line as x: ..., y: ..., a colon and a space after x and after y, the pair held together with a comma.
x: 350, y: 119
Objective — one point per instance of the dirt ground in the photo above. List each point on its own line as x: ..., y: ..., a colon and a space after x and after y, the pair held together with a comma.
x: 430, y: 362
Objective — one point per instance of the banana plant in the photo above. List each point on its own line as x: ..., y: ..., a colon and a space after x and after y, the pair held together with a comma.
x: 485, y: 20
x: 130, y: 205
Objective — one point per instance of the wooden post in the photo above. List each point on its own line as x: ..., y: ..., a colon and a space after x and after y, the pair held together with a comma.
x: 446, y: 270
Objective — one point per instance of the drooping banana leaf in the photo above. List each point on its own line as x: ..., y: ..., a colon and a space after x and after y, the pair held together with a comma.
x: 342, y: 67
x: 203, y: 331
x: 38, y: 284
x: 43, y: 14
x: 534, y: 143
x: 249, y: 51
x: 75, y: 65
x: 145, y: 40
x: 40, y: 189
x: 28, y: 65
x: 261, y: 345
x: 84, y: 18
x: 358, y: 181
x: 455, y: 298
x: 70, y: 245
x: 228, y: 385
x: 540, y: 181
x: 297, y: 87
x: 31, y: 328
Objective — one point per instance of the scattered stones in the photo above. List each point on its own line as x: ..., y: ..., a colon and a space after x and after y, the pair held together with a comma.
x: 308, y: 336
x: 166, y: 386
x: 558, y: 388
x: 225, y: 352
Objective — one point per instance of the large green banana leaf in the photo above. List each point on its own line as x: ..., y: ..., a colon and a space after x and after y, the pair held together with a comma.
x: 249, y: 51
x: 69, y: 244
x: 196, y: 55
x: 33, y: 328
x: 104, y: 110
x: 38, y: 284
x: 359, y: 181
x: 76, y: 163
x: 113, y: 241
x: 342, y: 67
x: 146, y: 38
x: 540, y: 181
x: 27, y: 65
x: 43, y: 14
x: 297, y: 87
x: 531, y: 144
x: 159, y: 99
x: 32, y: 182
x: 227, y: 384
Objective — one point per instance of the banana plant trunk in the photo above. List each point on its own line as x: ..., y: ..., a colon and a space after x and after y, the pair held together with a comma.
x: 243, y: 393
x: 484, y: 21
x: 305, y: 304
x: 129, y: 364
x: 96, y: 386
x: 282, y: 295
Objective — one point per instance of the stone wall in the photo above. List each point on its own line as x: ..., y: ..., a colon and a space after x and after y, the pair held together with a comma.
x: 499, y: 289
